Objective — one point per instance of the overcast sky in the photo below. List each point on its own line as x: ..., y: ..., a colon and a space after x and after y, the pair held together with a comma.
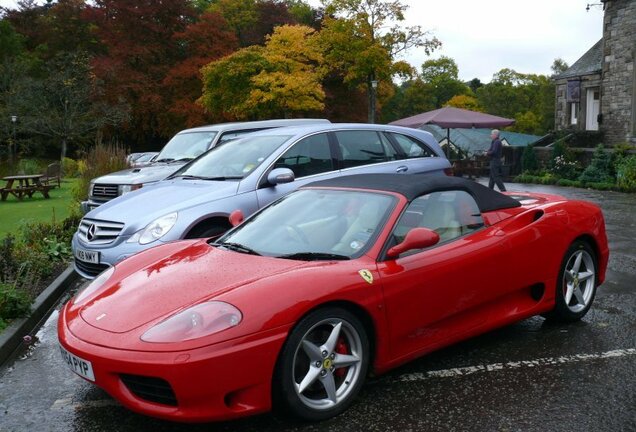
x: 486, y: 36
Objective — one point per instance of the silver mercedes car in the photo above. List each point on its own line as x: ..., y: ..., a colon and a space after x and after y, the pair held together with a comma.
x: 247, y: 174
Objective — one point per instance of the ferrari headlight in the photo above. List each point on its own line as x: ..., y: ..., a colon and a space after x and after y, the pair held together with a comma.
x: 123, y: 189
x: 198, y: 321
x: 94, y: 285
x: 154, y: 230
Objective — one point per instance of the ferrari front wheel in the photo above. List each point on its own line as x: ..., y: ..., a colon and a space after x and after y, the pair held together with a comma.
x: 576, y: 286
x: 322, y: 365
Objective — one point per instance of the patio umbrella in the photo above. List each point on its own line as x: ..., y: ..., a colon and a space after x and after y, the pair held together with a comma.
x: 449, y: 117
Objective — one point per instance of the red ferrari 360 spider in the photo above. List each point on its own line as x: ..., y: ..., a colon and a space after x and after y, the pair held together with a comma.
x: 296, y: 305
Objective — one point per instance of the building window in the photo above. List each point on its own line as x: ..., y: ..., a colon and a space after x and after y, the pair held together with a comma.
x: 574, y: 113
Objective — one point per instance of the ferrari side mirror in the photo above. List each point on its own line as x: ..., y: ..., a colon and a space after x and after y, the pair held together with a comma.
x: 417, y: 238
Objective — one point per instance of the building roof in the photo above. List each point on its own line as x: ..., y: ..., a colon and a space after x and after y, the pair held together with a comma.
x: 415, y: 185
x: 590, y: 63
x: 477, y: 140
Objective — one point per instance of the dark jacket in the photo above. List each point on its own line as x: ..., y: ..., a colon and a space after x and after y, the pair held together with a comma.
x: 495, y: 150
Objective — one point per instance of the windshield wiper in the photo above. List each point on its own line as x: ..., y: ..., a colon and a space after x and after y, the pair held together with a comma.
x: 221, y: 178
x: 237, y: 247
x: 165, y: 160
x: 191, y: 177
x: 185, y: 159
x: 314, y: 256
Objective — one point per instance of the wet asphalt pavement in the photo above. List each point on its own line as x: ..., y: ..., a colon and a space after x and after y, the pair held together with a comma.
x: 530, y: 376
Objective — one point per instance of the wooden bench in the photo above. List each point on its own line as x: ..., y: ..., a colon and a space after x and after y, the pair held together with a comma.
x: 20, y: 192
x: 25, y: 184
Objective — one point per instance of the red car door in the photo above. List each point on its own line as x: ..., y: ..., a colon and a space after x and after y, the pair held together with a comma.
x: 439, y: 294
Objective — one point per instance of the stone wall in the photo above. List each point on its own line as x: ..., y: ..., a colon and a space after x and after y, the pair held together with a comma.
x: 562, y: 107
x: 619, y: 76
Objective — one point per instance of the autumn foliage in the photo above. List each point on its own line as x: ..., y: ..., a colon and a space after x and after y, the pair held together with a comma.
x: 159, y: 66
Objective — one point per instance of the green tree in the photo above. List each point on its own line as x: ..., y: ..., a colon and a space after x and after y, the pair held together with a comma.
x: 227, y: 83
x: 529, y: 161
x: 280, y: 79
x: 15, y: 65
x: 598, y: 171
x: 558, y: 66
x: 465, y: 102
x: 66, y: 106
x: 362, y: 39
x: 474, y: 84
x: 410, y: 98
x: 527, y: 122
x: 241, y: 16
x: 290, y: 81
x: 513, y: 95
x: 443, y: 76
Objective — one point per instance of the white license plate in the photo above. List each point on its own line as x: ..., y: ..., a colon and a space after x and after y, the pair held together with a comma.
x: 87, y: 256
x: 82, y: 367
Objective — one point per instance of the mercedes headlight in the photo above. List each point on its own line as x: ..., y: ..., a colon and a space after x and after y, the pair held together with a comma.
x: 154, y: 230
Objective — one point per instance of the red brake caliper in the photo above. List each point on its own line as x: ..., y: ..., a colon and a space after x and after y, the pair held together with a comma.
x: 341, y: 348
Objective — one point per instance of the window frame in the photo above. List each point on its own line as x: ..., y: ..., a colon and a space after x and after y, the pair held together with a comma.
x: 391, y: 240
x: 391, y: 136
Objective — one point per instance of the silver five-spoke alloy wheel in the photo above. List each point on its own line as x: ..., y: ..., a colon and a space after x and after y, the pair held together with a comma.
x: 579, y: 279
x: 576, y: 283
x: 326, y: 369
x: 322, y: 365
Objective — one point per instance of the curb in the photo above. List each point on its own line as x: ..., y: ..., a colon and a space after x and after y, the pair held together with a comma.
x: 11, y: 337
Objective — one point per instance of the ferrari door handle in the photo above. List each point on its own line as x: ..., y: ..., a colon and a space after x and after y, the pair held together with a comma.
x: 401, y: 169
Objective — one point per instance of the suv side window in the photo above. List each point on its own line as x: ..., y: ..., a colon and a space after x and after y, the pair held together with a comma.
x: 451, y: 214
x: 363, y: 148
x: 309, y: 156
x: 411, y: 147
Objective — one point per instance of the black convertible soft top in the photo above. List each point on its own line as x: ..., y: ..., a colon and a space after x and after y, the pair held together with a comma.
x: 415, y: 185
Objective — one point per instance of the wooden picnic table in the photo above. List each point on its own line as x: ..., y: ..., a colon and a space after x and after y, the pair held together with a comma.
x: 21, y: 185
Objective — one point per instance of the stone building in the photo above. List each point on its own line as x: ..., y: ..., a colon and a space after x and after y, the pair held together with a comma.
x: 598, y: 92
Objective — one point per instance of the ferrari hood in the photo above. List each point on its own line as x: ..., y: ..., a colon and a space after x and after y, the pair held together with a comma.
x: 177, y: 280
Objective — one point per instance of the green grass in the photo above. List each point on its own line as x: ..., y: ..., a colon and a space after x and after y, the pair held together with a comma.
x: 14, y: 212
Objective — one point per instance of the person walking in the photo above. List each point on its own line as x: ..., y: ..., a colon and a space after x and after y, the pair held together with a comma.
x: 495, y: 152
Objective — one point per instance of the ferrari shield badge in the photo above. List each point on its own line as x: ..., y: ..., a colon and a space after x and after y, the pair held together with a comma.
x: 366, y: 275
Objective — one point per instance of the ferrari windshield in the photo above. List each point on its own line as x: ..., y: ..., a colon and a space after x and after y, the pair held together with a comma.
x: 314, y: 224
x: 234, y: 159
x: 186, y: 146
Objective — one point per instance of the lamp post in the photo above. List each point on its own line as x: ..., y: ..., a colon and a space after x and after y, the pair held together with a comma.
x: 374, y: 86
x: 12, y: 146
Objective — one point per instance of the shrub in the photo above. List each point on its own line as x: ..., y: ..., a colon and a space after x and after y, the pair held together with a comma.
x: 525, y: 178
x: 70, y: 167
x: 8, y: 264
x: 563, y: 163
x: 598, y: 171
x: 626, y: 173
x: 605, y: 186
x: 35, y: 234
x: 13, y: 303
x: 29, y: 166
x: 564, y: 168
x: 100, y: 160
x: 56, y: 250
x: 529, y: 162
x: 569, y: 183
